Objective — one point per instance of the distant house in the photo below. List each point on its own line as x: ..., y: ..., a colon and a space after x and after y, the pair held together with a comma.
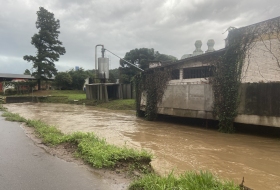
x: 5, y: 77
x: 12, y: 77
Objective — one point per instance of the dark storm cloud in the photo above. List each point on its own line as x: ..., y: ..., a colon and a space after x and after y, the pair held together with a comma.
x: 169, y: 26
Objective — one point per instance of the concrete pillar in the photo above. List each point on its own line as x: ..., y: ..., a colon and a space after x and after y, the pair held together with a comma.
x: 105, y: 93
x: 181, y: 74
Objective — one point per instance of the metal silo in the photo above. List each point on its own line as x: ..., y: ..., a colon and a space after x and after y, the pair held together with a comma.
x: 103, y: 68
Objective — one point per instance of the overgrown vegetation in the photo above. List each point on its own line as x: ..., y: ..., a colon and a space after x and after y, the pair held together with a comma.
x: 98, y: 153
x: 12, y: 116
x: 227, y: 79
x: 153, y: 83
x: 189, y: 180
x: 227, y: 75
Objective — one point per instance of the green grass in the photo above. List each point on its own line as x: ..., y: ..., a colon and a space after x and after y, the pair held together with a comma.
x: 68, y: 96
x: 49, y: 134
x: 95, y: 151
x: 126, y: 104
x: 13, y: 116
x: 98, y: 153
x: 187, y: 181
x: 2, y: 108
x: 71, y: 94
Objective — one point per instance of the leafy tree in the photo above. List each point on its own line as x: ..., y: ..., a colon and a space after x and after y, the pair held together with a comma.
x: 78, y: 78
x: 164, y: 57
x: 113, y: 75
x: 27, y: 72
x: 140, y: 57
x: 63, y: 80
x: 49, y: 48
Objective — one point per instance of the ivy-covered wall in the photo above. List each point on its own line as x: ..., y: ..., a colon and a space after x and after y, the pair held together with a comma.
x: 229, y: 74
x: 259, y: 102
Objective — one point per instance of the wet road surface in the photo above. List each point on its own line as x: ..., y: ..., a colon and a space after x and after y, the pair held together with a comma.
x: 175, y: 146
x: 24, y: 166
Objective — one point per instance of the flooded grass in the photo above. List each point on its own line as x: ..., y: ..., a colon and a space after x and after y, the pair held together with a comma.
x: 2, y: 108
x: 79, y: 97
x: 189, y: 180
x: 93, y: 150
x: 13, y: 116
x: 99, y: 154
x: 49, y: 134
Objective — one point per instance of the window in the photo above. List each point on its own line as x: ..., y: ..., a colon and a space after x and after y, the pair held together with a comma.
x: 175, y: 74
x: 197, y: 72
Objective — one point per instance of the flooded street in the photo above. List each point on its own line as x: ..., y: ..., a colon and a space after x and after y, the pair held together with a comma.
x: 175, y: 146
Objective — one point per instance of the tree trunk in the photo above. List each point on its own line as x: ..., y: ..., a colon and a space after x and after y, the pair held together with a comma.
x: 39, y: 84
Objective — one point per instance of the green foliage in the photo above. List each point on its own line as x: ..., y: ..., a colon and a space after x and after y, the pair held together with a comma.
x: 164, y: 57
x: 70, y: 94
x: 92, y: 149
x: 126, y: 76
x: 13, y: 116
x: 78, y: 78
x: 114, y: 74
x: 1, y: 107
x: 49, y: 48
x: 127, y: 104
x: 63, y: 80
x: 189, y: 180
x: 99, y: 153
x: 227, y: 78
x: 227, y: 75
x: 27, y: 72
x: 140, y: 57
x: 49, y: 134
x: 153, y: 83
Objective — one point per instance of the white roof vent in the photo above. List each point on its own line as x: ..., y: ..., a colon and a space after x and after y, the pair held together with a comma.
x: 210, y: 45
x: 197, y: 50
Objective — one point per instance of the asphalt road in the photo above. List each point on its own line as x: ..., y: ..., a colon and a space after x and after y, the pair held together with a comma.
x: 24, y: 166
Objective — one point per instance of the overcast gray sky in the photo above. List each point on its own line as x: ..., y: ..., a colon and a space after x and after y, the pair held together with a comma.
x: 169, y: 26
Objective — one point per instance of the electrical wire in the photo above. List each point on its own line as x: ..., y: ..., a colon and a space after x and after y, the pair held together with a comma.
x: 125, y: 60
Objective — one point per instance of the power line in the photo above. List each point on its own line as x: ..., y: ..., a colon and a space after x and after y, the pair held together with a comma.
x: 125, y: 60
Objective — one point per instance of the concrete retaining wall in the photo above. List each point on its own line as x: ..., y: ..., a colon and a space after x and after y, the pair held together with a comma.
x: 259, y: 103
x: 109, y: 91
x: 19, y: 99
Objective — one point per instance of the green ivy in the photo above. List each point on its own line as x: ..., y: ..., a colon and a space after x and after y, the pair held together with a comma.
x: 227, y: 78
x: 153, y: 82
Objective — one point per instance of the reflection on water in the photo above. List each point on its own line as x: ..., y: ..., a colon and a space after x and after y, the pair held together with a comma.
x: 175, y: 146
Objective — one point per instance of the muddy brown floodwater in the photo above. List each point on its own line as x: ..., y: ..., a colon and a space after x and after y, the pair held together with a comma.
x: 176, y: 147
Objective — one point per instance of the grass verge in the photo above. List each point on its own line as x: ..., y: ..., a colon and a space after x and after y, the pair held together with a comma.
x: 93, y: 150
x: 189, y: 180
x: 99, y: 154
